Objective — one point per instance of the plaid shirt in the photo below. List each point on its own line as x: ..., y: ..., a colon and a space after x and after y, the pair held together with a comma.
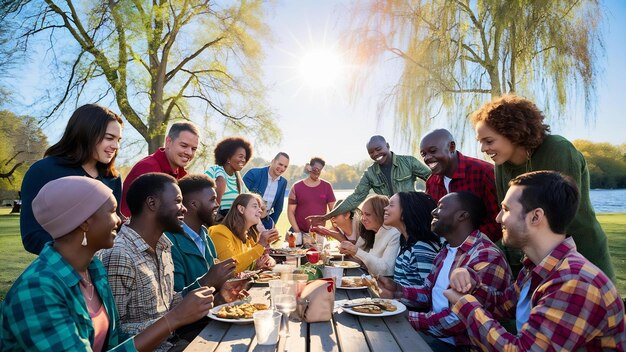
x: 479, y: 255
x: 142, y: 280
x: 45, y: 310
x: 573, y: 306
x: 475, y: 176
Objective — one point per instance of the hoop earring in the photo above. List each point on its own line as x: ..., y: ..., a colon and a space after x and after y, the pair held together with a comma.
x: 84, y: 242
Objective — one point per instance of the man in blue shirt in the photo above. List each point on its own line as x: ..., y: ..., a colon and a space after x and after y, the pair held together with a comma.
x: 268, y: 182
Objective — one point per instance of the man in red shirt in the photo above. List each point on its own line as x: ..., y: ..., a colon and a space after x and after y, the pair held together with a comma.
x: 180, y: 146
x: 454, y: 172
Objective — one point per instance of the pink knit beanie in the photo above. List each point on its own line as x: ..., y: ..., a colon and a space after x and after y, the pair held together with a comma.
x: 63, y: 204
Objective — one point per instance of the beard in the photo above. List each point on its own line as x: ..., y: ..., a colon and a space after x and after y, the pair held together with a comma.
x: 440, y: 228
x: 207, y: 216
x: 170, y: 222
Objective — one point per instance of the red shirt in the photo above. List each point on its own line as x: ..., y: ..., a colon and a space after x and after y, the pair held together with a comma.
x: 475, y: 176
x: 156, y: 162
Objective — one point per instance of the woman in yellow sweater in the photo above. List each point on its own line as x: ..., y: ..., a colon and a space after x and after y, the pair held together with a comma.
x: 237, y: 237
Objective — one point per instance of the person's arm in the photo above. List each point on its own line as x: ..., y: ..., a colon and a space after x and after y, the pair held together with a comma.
x: 249, y: 178
x: 418, y: 169
x: 352, y: 201
x: 179, y: 268
x: 220, y: 188
x: 384, y: 264
x: 291, y: 210
x: 225, y: 246
x: 34, y: 237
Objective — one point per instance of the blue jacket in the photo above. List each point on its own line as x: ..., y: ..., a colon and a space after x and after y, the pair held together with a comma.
x: 256, y: 181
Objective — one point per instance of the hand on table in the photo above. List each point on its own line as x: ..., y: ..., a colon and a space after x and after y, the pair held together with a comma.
x: 195, y: 305
x: 387, y: 286
x: 219, y: 273
x: 265, y: 262
x: 347, y: 247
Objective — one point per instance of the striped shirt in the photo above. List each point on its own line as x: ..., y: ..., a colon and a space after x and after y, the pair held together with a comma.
x: 478, y: 255
x: 142, y: 280
x: 573, y: 306
x: 415, y: 263
x: 231, y: 191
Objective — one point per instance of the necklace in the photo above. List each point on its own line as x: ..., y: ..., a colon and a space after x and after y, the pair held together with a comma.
x: 86, y: 283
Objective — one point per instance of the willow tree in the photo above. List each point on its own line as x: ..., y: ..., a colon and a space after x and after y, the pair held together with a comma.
x: 456, y: 54
x: 160, y: 59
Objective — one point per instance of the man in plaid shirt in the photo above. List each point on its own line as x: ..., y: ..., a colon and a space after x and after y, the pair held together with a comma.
x: 561, y: 302
x: 454, y: 172
x: 456, y: 219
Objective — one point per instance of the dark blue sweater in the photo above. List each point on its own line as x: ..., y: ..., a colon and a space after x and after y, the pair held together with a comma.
x: 34, y: 237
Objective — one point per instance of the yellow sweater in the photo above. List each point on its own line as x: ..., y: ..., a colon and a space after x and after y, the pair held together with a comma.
x: 228, y: 245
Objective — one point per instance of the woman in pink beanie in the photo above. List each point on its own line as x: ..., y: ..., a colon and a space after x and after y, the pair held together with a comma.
x: 63, y: 301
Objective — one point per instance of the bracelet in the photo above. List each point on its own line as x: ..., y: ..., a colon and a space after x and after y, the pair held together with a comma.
x: 169, y: 328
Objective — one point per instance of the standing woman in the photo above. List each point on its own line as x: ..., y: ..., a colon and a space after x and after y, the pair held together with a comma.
x: 62, y: 301
x: 410, y: 213
x: 511, y: 132
x: 378, y: 245
x: 88, y: 147
x: 231, y: 155
x: 237, y: 236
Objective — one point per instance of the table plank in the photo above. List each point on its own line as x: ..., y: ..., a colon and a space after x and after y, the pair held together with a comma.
x: 404, y: 333
x: 322, y: 337
x: 209, y: 338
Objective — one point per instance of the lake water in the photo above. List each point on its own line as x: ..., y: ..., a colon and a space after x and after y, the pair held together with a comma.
x: 603, y: 200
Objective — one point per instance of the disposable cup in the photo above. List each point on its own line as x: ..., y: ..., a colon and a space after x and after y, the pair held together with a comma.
x: 267, y: 326
x: 276, y: 288
x: 334, y: 272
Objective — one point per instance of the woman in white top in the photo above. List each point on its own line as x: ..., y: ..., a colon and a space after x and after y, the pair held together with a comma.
x: 378, y: 245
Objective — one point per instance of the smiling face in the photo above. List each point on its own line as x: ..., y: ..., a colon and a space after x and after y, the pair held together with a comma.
x: 208, y: 206
x: 102, y: 225
x: 369, y: 219
x: 238, y: 160
x: 393, y: 212
x: 278, y: 166
x: 496, y: 146
x: 180, y: 151
x: 107, y: 148
x: 513, y: 219
x: 315, y: 170
x: 379, y: 151
x: 437, y: 154
x: 171, y: 211
x: 445, y: 216
x: 251, y: 212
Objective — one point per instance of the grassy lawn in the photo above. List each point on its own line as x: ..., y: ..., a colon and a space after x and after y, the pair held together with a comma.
x: 13, y: 257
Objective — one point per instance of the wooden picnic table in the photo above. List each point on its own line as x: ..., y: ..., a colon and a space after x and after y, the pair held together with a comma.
x: 345, y: 332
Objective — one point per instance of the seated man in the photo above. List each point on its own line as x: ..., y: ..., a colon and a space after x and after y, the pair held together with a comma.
x: 139, y: 265
x: 193, y: 251
x: 454, y: 172
x: 561, y: 302
x: 456, y: 219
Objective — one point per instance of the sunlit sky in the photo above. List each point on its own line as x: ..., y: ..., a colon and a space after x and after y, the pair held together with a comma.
x: 309, y: 96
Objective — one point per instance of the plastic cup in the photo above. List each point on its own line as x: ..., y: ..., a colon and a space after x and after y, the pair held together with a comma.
x: 301, y: 280
x: 267, y: 326
x: 276, y: 288
x: 313, y: 256
x: 334, y: 272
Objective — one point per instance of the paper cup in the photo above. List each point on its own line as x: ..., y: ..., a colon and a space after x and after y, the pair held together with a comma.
x: 334, y: 272
x: 267, y: 326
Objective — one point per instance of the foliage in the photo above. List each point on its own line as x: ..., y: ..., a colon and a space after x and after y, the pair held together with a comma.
x: 456, y: 54
x: 160, y: 60
x: 606, y: 163
x: 23, y: 143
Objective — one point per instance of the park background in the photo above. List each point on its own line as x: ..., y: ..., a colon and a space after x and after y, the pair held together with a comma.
x: 312, y: 109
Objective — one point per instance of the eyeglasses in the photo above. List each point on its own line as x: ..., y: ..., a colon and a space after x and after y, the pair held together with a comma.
x: 316, y: 169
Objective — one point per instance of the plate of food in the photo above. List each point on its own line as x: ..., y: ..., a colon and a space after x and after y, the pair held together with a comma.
x: 353, y: 283
x: 288, y: 251
x: 346, y: 264
x: 266, y: 277
x: 236, y: 312
x: 373, y: 307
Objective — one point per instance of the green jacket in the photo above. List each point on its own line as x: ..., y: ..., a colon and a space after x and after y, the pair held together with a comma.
x: 404, y: 172
x: 189, y: 264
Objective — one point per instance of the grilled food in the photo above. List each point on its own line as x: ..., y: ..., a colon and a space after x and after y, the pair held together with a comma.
x: 240, y: 311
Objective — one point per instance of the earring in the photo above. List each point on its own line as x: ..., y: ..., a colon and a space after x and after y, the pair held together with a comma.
x: 84, y: 242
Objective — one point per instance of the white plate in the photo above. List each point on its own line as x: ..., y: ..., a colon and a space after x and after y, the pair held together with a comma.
x: 401, y: 308
x: 346, y: 264
x: 352, y: 287
x: 213, y: 314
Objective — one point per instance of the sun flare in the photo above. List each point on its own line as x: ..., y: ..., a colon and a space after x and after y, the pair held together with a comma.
x: 321, y: 68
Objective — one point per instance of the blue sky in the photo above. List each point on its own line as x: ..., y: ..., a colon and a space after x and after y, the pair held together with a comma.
x: 326, y: 122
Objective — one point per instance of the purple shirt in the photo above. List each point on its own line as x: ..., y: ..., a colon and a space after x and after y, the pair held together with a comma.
x: 310, y: 201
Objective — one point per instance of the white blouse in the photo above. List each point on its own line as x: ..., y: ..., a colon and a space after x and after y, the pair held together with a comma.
x: 381, y: 258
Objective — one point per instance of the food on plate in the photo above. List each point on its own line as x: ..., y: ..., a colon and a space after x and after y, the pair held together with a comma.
x: 368, y: 309
x: 240, y: 311
x: 372, y: 284
x: 346, y: 264
x: 267, y: 276
x: 388, y: 304
x: 288, y: 251
x: 353, y: 282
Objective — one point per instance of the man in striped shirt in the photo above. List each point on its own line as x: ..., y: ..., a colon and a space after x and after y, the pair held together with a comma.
x: 456, y: 219
x: 561, y: 302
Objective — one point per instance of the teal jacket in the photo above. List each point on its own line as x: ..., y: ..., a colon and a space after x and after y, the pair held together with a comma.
x: 189, y: 263
x: 45, y: 310
x: 405, y: 170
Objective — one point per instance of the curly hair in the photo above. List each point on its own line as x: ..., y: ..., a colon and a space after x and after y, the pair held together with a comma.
x: 516, y: 118
x: 227, y: 147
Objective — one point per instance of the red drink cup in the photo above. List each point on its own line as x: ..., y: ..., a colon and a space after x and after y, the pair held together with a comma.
x: 313, y: 256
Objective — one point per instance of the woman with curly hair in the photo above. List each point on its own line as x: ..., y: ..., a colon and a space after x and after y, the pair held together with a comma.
x: 88, y: 148
x: 410, y: 213
x: 511, y: 131
x: 231, y: 155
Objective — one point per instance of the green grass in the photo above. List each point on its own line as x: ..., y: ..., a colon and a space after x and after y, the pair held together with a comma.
x: 13, y: 257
